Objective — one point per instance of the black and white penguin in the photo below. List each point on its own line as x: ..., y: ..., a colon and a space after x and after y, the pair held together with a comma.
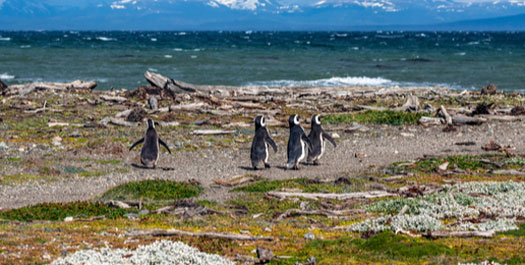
x: 150, y: 150
x: 296, y: 143
x: 261, y: 140
x: 317, y: 137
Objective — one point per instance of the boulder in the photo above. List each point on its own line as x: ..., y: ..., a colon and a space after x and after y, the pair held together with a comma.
x: 489, y: 90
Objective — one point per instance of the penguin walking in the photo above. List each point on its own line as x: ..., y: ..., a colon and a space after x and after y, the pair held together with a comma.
x: 150, y: 150
x: 317, y: 137
x: 296, y: 143
x: 261, y: 140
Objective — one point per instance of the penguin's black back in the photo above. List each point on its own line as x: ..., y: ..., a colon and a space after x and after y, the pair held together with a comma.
x: 150, y: 149
x: 315, y: 139
x: 258, y: 150
x: 294, y: 143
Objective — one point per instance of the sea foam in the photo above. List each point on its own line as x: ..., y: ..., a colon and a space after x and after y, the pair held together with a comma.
x: 328, y: 82
x: 5, y: 39
x: 6, y: 76
x: 106, y: 39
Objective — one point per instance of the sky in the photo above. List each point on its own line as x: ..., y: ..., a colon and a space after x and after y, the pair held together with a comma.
x: 259, y: 14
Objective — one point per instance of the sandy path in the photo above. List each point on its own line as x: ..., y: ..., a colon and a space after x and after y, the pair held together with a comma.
x: 383, y: 145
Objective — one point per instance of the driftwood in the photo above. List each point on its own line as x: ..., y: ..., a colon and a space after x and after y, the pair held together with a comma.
x: 25, y: 89
x: 412, y: 104
x: 173, y: 87
x: 448, y: 118
x: 333, y: 196
x: 116, y: 121
x: 174, y: 232
x: 509, y: 172
x: 236, y: 181
x: 428, y: 121
x: 189, y: 107
x: 462, y: 119
x: 44, y: 108
x: 119, y: 204
x: 116, y: 99
x: 124, y: 113
x: 327, y: 213
x: 212, y: 132
x: 167, y: 123
x: 463, y: 234
x: 503, y: 118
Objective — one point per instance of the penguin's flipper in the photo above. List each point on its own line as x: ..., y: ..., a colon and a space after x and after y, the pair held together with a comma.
x: 271, y: 142
x: 307, y: 140
x: 137, y: 143
x: 165, y: 145
x: 329, y: 138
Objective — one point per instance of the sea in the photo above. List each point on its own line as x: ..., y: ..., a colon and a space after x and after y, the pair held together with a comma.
x: 118, y: 59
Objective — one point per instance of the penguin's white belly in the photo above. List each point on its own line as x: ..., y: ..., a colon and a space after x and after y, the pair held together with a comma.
x: 303, y: 153
x: 266, y: 152
x: 323, y: 144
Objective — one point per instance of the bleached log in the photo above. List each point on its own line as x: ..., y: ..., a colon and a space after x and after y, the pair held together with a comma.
x: 363, y: 107
x: 172, y: 86
x: 168, y: 123
x: 174, y: 232
x: 462, y: 234
x: 124, y: 113
x: 333, y: 196
x: 503, y: 118
x: 212, y: 132
x: 428, y: 121
x: 116, y: 99
x: 119, y: 204
x: 189, y: 107
x: 462, y: 120
x: 116, y: 121
x: 25, y: 89
x: 57, y: 124
x: 235, y: 181
x: 327, y: 213
x: 509, y: 172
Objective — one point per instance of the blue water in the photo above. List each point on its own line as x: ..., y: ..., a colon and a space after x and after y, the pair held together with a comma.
x: 461, y: 60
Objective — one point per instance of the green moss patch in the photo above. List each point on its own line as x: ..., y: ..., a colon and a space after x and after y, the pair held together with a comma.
x: 374, y: 116
x: 517, y: 233
x: 59, y: 211
x: 152, y: 190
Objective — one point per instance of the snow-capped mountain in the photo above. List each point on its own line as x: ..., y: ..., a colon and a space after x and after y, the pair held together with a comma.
x: 250, y: 14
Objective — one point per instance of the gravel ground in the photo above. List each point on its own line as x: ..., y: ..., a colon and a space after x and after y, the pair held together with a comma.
x: 382, y: 146
x: 160, y: 253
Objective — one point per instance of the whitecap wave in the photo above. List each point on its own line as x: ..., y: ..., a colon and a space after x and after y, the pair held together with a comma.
x: 106, y: 39
x: 6, y: 76
x: 168, y: 56
x: 5, y: 39
x: 328, y: 82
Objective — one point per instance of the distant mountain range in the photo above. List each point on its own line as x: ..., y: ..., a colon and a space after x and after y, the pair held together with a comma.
x: 262, y: 15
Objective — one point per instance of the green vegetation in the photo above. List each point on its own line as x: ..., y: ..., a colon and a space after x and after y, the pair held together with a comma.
x: 59, y: 211
x: 374, y: 116
x: 517, y: 233
x: 152, y: 190
x: 306, y: 185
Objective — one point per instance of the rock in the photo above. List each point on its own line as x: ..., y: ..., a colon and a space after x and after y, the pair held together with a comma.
x: 3, y: 87
x: 144, y: 212
x: 482, y: 108
x: 153, y: 103
x: 491, y: 146
x: 489, y: 90
x: 428, y: 108
x: 518, y: 110
x: 68, y: 219
x: 75, y: 134
x: 264, y: 255
x: 336, y: 136
x: 356, y: 127
x: 311, y: 261
x: 360, y: 155
x: 444, y: 166
x: 3, y: 146
x: 132, y: 216
x: 136, y: 115
x: 56, y: 140
x: 309, y: 236
x: 404, y: 134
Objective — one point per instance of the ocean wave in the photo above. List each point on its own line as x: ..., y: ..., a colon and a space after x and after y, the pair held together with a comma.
x: 328, y: 82
x: 102, y: 38
x: 5, y: 39
x: 6, y: 76
x: 25, y: 46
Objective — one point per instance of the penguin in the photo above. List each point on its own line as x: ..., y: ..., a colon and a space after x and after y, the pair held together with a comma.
x: 317, y: 137
x: 261, y: 140
x: 296, y: 143
x: 150, y: 151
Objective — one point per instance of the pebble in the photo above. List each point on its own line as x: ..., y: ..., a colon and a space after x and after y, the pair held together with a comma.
x: 3, y: 146
x: 68, y: 219
x: 309, y: 236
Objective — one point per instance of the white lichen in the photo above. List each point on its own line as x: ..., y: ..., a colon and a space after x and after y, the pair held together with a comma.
x: 160, y: 253
x: 493, y: 206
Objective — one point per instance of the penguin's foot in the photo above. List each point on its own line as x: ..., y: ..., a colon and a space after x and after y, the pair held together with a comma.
x: 316, y: 163
x: 295, y: 167
x: 267, y: 166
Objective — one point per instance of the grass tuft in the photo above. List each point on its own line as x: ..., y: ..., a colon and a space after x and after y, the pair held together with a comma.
x: 374, y: 116
x: 152, y: 190
x: 59, y: 211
